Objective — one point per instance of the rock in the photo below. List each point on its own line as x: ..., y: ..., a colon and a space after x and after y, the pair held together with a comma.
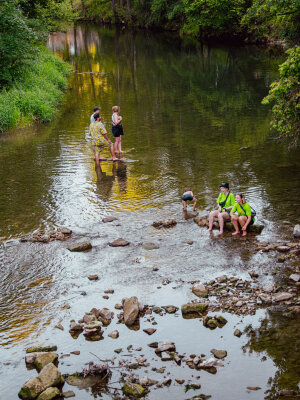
x: 190, y: 242
x: 149, y: 331
x: 44, y: 359
x: 283, y: 249
x: 49, y: 394
x: 89, y: 317
x: 167, y: 223
x: 35, y: 349
x: 180, y: 381
x: 237, y: 333
x: 222, y: 279
x: 80, y: 246
x: 239, y: 304
x: 209, y: 363
x: 268, y: 288
x: 131, y: 310
x: 221, y: 320
x: 202, y: 222
x: 282, y: 296
x: 109, y: 291
x: 93, y: 277
x: 49, y: 376
x: 167, y: 382
x: 118, y: 351
x: 295, y: 277
x: 296, y: 232
x: 64, y: 230
x: 76, y: 352
x: 193, y: 308
x: 154, y: 345
x: 253, y: 274
x: 83, y: 293
x: 119, y: 243
x: 109, y: 219
x: 134, y: 389
x: 114, y: 334
x: 150, y: 246
x: 219, y: 353
x: 147, y: 381
x: 118, y: 306
x: 253, y: 387
x: 74, y: 327
x: 165, y: 347
x: 68, y: 394
x: 210, y: 322
x: 200, y: 290
x: 287, y: 392
x: 170, y: 309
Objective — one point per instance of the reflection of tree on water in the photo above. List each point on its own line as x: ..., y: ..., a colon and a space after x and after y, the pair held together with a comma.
x: 279, y: 337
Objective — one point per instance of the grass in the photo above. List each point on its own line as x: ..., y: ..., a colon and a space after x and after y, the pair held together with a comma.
x: 36, y: 93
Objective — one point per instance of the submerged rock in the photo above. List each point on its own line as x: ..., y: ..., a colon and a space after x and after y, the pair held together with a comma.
x: 170, y: 309
x: 150, y: 246
x: 35, y: 349
x: 131, y: 310
x: 165, y: 347
x: 193, y: 308
x: 167, y: 223
x: 134, y: 389
x: 80, y: 246
x: 109, y: 219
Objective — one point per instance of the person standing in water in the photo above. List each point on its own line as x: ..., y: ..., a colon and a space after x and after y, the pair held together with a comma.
x: 99, y: 137
x: 226, y: 202
x: 117, y: 129
x: 96, y: 111
x: 244, y: 217
x: 188, y: 195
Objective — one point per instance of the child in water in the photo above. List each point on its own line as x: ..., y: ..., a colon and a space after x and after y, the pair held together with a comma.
x: 188, y: 195
x: 117, y: 129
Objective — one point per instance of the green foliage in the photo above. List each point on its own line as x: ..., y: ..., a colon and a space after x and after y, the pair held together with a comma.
x: 36, y: 93
x: 273, y: 18
x: 17, y: 42
x: 285, y: 93
x: 213, y: 16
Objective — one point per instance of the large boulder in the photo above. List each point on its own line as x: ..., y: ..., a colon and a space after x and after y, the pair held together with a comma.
x: 48, y: 377
x: 49, y: 394
x: 131, y: 310
x: 200, y: 290
x: 296, y: 232
x: 45, y: 358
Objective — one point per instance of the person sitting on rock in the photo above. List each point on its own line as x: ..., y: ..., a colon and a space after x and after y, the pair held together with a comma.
x: 188, y: 195
x: 244, y: 217
x: 225, y: 201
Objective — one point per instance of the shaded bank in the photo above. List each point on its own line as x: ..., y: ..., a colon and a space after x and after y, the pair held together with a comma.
x: 35, y: 95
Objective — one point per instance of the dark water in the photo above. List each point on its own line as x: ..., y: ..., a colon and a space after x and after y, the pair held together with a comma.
x: 188, y: 110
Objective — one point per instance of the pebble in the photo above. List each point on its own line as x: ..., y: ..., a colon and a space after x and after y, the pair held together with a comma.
x: 149, y: 331
x: 93, y: 277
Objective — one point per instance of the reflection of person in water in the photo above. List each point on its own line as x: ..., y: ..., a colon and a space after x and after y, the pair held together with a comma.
x: 121, y: 173
x: 104, y: 182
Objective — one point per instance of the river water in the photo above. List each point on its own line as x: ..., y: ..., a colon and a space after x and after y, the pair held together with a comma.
x: 192, y: 117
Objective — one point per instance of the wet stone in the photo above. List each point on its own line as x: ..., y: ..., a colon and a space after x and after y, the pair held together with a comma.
x: 68, y: 394
x: 200, y: 290
x: 49, y: 394
x: 191, y: 308
x: 253, y: 387
x: 170, y: 309
x: 237, y: 333
x: 220, y: 354
x: 150, y: 246
x: 80, y: 246
x: 282, y: 296
x: 93, y: 277
x: 296, y: 232
x: 133, y: 389
x: 35, y: 349
x: 109, y: 219
x: 119, y: 243
x: 114, y: 334
x: 43, y: 359
x: 295, y: 277
x: 149, y: 331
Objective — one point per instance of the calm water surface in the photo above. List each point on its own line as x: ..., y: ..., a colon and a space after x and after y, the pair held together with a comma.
x: 192, y: 116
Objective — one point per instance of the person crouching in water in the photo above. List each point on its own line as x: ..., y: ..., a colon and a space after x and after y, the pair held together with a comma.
x: 117, y: 129
x: 244, y: 217
x: 188, y: 195
x: 226, y: 202
x: 99, y: 137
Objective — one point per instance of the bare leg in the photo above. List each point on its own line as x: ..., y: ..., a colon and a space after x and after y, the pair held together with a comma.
x: 195, y: 202
x: 113, y: 153
x: 234, y: 220
x: 242, y: 221
x: 184, y: 204
x: 221, y: 218
x: 96, y: 155
x: 120, y: 147
x: 211, y: 218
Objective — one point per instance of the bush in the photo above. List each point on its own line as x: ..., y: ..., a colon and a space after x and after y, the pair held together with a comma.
x: 36, y: 93
x: 285, y: 93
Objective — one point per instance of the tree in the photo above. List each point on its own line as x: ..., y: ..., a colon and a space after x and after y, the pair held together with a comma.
x: 285, y: 93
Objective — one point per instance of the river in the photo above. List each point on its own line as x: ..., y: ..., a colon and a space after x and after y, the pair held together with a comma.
x: 192, y: 116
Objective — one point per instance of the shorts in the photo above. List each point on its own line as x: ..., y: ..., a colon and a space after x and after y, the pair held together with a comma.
x: 117, y: 130
x: 97, y: 147
x: 187, y: 197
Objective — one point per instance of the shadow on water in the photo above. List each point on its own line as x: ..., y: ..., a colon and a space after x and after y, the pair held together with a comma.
x: 192, y: 116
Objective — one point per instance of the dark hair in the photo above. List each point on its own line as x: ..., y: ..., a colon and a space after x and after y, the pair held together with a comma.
x: 242, y: 196
x: 225, y: 185
x: 187, y: 189
x: 96, y: 109
x: 96, y: 116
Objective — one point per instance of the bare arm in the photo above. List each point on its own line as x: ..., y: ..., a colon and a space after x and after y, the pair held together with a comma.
x: 117, y: 119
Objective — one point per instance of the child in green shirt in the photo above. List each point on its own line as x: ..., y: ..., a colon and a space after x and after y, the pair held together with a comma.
x: 244, y: 217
